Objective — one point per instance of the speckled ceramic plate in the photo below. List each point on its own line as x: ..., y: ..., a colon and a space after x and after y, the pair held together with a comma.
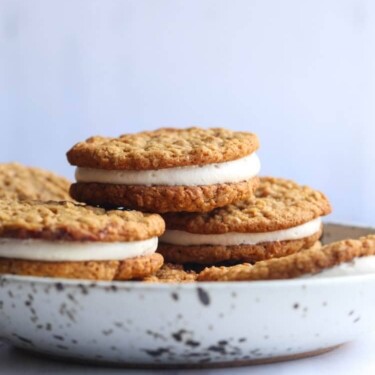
x: 205, y: 324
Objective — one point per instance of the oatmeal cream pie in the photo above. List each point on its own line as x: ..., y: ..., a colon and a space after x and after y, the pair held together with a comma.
x: 68, y: 240
x: 27, y: 183
x: 166, y: 170
x: 281, y: 219
x: 343, y: 258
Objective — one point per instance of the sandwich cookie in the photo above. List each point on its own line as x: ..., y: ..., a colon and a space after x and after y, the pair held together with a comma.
x: 18, y: 182
x: 166, y: 170
x: 281, y: 219
x: 63, y: 239
x: 343, y: 258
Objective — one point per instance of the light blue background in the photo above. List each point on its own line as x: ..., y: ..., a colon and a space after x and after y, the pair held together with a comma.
x: 301, y: 74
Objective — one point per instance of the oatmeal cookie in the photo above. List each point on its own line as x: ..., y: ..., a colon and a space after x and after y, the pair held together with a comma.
x: 18, y: 182
x: 283, y: 218
x: 307, y: 262
x: 166, y: 170
x: 70, y: 240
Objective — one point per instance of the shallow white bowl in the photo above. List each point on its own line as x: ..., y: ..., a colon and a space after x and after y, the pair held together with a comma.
x: 203, y: 324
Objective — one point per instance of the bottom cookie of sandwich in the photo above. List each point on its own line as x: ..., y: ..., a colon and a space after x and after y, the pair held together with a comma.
x: 212, y: 254
x: 128, y: 269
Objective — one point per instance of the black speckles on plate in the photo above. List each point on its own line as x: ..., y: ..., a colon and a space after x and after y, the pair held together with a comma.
x: 72, y: 298
x: 156, y: 335
x: 203, y: 296
x: 112, y: 288
x: 23, y: 339
x: 178, y: 336
x: 65, y: 311
x: 84, y: 289
x: 59, y: 287
x: 192, y: 343
x: 157, y: 352
x: 256, y: 352
x: 58, y: 337
x: 107, y: 332
x: 215, y: 352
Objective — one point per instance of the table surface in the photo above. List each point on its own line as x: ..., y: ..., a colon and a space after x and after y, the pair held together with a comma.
x: 353, y: 358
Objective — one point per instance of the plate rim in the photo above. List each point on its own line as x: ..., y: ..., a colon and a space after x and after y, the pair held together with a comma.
x: 140, y: 285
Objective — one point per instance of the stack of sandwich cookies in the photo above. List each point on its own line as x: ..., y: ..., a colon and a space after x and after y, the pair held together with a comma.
x: 18, y: 182
x: 203, y: 181
x: 283, y: 218
x: 343, y: 258
x: 63, y: 239
x: 167, y: 170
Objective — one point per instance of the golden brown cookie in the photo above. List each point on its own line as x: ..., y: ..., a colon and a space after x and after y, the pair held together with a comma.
x: 172, y: 273
x: 18, y: 182
x: 310, y: 261
x: 65, y: 239
x: 239, y: 253
x: 163, y: 148
x: 128, y: 269
x: 163, y: 198
x: 70, y: 221
x: 166, y: 170
x: 278, y: 204
x: 279, y: 209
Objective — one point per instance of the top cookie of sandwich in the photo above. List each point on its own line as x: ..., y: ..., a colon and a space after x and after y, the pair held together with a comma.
x: 26, y: 183
x: 68, y: 221
x: 163, y: 148
x: 278, y: 204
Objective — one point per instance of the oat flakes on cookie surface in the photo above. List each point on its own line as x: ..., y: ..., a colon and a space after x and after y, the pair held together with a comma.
x: 334, y: 259
x: 282, y: 218
x: 65, y: 239
x: 166, y: 170
x: 19, y: 182
x: 163, y: 148
x: 278, y: 204
x: 172, y: 273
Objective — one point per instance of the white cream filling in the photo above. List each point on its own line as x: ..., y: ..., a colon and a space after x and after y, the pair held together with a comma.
x: 182, y: 238
x: 358, y: 266
x: 210, y: 174
x: 64, y: 251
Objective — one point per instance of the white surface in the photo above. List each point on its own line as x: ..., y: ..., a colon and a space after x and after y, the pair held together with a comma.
x: 217, y: 173
x: 178, y: 237
x: 299, y: 73
x: 74, y: 250
x: 351, y: 359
